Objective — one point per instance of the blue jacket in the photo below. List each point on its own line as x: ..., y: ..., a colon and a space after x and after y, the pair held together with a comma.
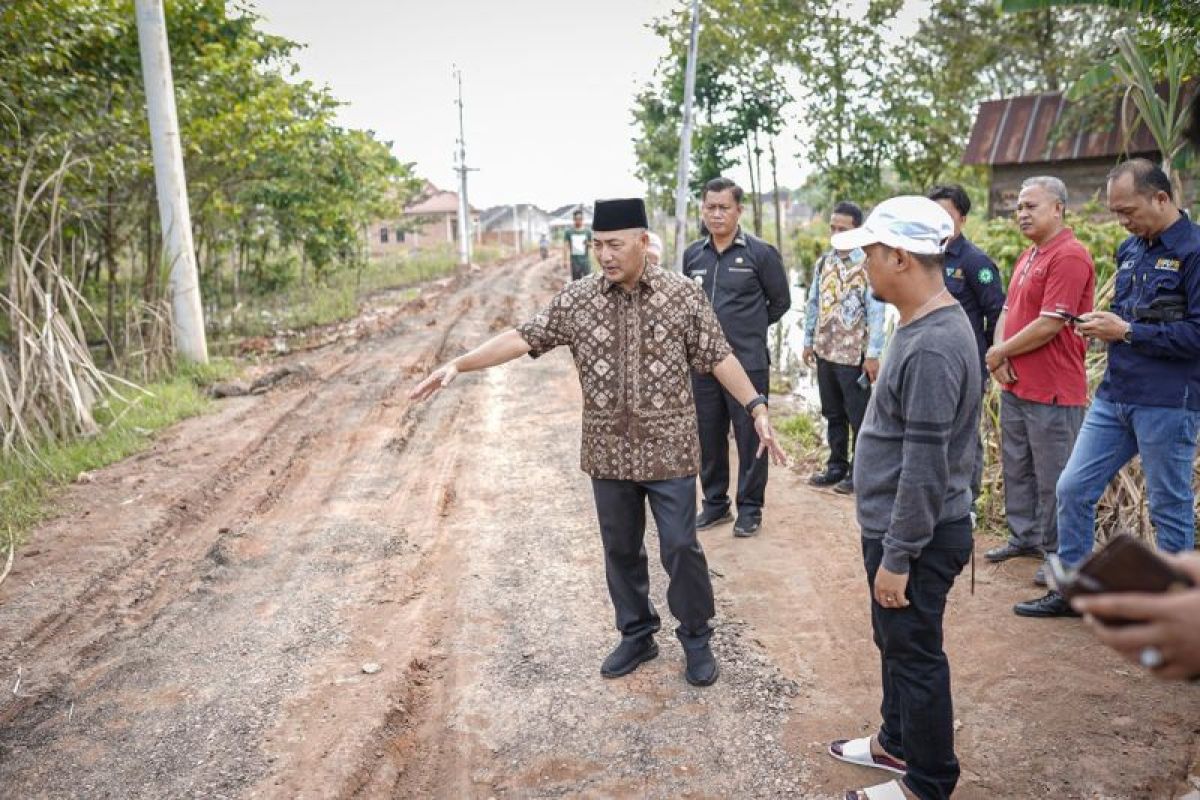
x: 975, y: 282
x: 1161, y: 367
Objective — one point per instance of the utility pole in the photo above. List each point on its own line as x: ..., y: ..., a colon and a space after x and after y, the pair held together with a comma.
x: 464, y: 208
x: 516, y: 228
x: 685, y: 142
x: 169, y: 181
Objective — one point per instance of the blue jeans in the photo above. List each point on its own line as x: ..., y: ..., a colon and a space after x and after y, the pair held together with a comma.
x: 1112, y: 434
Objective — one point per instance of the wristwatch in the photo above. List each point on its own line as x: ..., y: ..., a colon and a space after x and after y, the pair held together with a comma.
x: 1128, y: 337
x: 755, y: 402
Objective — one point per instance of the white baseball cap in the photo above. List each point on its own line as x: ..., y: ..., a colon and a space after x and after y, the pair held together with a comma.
x: 910, y: 222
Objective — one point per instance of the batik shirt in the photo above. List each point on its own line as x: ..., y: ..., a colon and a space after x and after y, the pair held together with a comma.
x: 634, y: 352
x: 844, y: 321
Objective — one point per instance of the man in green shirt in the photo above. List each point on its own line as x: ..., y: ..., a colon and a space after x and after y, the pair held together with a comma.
x: 577, y: 242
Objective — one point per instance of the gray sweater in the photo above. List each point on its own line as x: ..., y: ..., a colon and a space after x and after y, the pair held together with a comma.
x: 916, y: 450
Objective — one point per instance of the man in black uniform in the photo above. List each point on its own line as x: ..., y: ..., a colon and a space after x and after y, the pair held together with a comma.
x: 975, y: 282
x: 743, y: 278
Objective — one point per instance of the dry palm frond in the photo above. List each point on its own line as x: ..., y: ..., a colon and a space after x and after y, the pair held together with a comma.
x: 49, y: 382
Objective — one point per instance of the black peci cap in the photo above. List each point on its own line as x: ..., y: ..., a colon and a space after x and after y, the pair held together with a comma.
x: 619, y: 215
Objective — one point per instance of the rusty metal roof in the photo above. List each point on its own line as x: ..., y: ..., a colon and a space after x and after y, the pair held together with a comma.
x: 1019, y: 130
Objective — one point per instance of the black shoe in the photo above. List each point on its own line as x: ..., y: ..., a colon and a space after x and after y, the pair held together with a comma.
x: 1009, y: 550
x: 1039, y: 577
x: 746, y: 526
x: 628, y: 655
x: 827, y: 478
x: 1052, y: 605
x: 701, y: 666
x: 711, y: 516
x: 845, y: 486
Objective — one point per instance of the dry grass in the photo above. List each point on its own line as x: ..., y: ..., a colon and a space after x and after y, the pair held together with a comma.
x: 49, y: 383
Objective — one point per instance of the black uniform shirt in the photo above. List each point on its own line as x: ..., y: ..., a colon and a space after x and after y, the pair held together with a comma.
x: 748, y: 288
x: 974, y: 281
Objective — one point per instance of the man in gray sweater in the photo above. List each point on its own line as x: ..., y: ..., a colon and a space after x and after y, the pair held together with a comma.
x: 912, y: 476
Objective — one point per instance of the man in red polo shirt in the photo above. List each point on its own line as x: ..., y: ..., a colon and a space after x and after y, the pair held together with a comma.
x: 1038, y: 359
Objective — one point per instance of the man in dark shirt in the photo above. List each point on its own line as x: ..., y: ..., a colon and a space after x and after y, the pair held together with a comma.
x: 637, y: 333
x: 743, y: 278
x: 971, y: 276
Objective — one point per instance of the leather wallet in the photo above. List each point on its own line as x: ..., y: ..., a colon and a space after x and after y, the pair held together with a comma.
x: 1124, y: 565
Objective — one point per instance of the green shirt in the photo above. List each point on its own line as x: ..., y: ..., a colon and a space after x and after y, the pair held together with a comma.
x: 579, y: 239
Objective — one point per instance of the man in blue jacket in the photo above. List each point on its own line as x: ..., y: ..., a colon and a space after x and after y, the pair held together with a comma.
x: 1149, y: 401
x: 743, y: 277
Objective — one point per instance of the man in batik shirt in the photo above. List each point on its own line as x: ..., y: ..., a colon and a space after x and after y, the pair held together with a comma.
x: 843, y: 335
x: 636, y: 333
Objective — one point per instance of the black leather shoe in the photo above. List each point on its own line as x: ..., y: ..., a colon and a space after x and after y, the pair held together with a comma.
x: 746, y: 526
x: 701, y: 666
x: 827, y: 478
x: 845, y: 486
x: 1052, y: 605
x: 711, y: 516
x: 1009, y: 550
x: 628, y: 655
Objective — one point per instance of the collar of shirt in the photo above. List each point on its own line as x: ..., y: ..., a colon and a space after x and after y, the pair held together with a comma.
x: 1056, y: 241
x: 955, y: 247
x: 739, y: 239
x: 1174, y: 236
x: 649, y: 281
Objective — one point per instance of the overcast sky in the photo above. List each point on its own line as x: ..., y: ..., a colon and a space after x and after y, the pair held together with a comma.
x: 547, y: 85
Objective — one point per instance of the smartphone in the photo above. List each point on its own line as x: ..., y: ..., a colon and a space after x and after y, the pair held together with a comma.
x: 1125, y: 564
x: 1071, y: 318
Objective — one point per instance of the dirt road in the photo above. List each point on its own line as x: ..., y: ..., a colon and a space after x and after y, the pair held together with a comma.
x: 197, y: 621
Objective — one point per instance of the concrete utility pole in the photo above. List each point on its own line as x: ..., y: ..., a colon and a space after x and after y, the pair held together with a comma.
x: 173, y: 212
x: 516, y: 228
x: 685, y: 142
x: 464, y: 208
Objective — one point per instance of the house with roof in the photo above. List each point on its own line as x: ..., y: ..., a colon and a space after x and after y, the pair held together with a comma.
x: 1021, y: 137
x: 431, y: 220
x: 520, y: 225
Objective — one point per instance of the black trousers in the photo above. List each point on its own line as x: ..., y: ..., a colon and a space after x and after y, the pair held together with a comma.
x: 716, y: 409
x: 621, y: 508
x: 843, y: 405
x: 918, y: 715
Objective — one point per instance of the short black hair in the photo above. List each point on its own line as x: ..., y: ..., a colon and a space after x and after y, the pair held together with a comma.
x: 930, y: 261
x: 956, y: 194
x: 721, y: 185
x: 1148, y: 177
x: 577, y: 212
x: 851, y: 210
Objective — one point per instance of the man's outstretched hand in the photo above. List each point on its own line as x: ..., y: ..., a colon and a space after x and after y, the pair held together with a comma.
x: 439, y: 379
x: 767, y: 441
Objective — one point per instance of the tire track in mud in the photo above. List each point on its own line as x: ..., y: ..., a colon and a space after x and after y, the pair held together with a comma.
x: 75, y: 651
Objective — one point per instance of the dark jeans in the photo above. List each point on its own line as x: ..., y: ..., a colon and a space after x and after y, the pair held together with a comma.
x: 621, y: 508
x: 716, y: 410
x: 918, y: 716
x: 843, y: 404
x: 580, y: 268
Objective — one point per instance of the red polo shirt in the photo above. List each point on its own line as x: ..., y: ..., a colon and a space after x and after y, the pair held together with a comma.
x: 1051, y: 280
